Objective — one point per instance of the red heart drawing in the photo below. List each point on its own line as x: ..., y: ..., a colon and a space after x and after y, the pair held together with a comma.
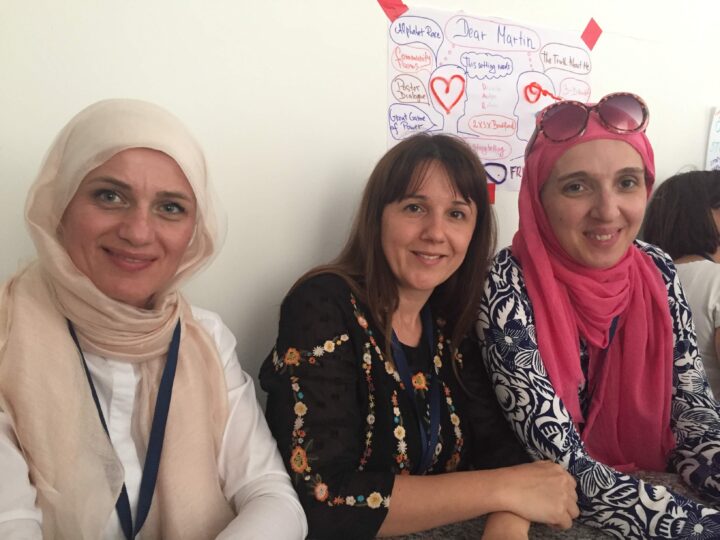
x: 447, y: 95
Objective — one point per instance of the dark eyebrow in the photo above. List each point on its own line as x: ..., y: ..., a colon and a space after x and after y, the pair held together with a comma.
x: 631, y: 170
x: 174, y: 195
x: 125, y: 186
x: 572, y: 176
x: 424, y: 198
x: 110, y: 180
x: 584, y: 174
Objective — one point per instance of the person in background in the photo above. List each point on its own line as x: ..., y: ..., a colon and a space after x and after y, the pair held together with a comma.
x: 587, y: 335
x: 683, y: 218
x: 365, y: 383
x: 104, y: 365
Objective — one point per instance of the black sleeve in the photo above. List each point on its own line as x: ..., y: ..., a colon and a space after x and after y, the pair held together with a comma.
x: 492, y: 444
x: 317, y: 408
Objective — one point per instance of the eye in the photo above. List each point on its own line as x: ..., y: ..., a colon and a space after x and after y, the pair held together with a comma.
x: 172, y: 208
x: 412, y: 208
x: 457, y: 214
x: 629, y: 182
x: 573, y: 188
x: 107, y: 196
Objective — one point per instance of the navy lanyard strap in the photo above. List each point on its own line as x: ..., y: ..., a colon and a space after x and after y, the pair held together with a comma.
x: 155, y: 443
x: 428, y: 446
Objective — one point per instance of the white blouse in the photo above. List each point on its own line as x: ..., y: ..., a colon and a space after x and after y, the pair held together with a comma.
x: 252, y: 474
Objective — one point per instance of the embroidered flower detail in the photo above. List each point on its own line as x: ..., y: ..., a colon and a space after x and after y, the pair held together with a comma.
x: 389, y: 368
x: 459, y: 358
x: 298, y: 460
x: 367, y: 358
x: 344, y: 337
x: 300, y: 408
x: 362, y: 322
x: 419, y: 381
x: 437, y: 361
x: 455, y: 419
x: 292, y: 357
x: 399, y: 432
x: 329, y: 346
x: 374, y: 500
x: 350, y: 500
x: 321, y: 492
x: 453, y: 462
x: 371, y: 419
x: 298, y: 424
x: 295, y: 387
x: 386, y: 501
x: 402, y: 447
x: 396, y: 411
x: 318, y: 351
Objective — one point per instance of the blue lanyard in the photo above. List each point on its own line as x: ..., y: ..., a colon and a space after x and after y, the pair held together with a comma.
x: 155, y: 443
x: 429, y: 437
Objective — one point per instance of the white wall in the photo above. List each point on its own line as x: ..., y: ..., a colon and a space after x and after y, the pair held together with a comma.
x: 288, y: 97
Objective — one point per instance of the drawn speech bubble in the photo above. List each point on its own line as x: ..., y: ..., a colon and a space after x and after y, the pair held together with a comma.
x: 409, y: 89
x: 411, y: 29
x: 404, y: 120
x: 486, y: 66
x: 412, y: 59
x: 490, y: 148
x: 575, y: 89
x: 565, y: 57
x: 493, y: 125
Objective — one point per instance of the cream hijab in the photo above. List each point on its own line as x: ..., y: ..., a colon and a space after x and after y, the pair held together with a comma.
x: 42, y: 383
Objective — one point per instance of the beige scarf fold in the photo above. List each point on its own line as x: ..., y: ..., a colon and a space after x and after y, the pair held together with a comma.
x: 43, y: 386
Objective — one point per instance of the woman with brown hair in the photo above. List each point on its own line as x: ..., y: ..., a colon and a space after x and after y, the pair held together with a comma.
x: 365, y: 383
x: 682, y: 218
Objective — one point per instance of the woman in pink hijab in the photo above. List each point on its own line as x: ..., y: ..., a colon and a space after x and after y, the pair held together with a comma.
x: 587, y: 333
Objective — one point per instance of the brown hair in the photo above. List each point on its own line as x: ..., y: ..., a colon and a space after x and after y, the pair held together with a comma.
x: 679, y: 216
x: 362, y: 262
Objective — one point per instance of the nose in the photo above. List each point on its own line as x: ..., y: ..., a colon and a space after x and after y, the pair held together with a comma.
x: 606, y: 206
x: 433, y: 227
x: 137, y: 227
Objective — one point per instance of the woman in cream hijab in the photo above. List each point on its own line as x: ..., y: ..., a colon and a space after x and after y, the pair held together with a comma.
x: 123, y: 409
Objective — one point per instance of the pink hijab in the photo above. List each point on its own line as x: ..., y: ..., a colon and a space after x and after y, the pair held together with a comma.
x: 628, y: 420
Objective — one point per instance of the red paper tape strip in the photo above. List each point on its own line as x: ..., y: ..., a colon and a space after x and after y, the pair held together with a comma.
x: 591, y: 34
x: 491, y: 192
x: 393, y: 8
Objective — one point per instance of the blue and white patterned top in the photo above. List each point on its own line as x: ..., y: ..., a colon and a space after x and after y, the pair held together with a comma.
x: 619, y: 504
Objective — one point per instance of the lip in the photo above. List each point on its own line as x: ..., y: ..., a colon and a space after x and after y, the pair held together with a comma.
x: 128, y: 261
x: 603, y: 237
x: 427, y: 258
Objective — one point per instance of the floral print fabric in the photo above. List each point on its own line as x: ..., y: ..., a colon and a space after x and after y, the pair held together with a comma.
x: 344, y: 422
x: 619, y: 504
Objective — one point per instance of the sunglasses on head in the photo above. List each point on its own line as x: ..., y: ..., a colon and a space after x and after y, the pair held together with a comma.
x: 620, y: 112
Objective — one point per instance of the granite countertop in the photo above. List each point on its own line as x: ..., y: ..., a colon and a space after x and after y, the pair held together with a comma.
x: 472, y: 529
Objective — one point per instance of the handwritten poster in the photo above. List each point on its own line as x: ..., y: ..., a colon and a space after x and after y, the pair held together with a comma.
x: 712, y: 161
x: 481, y: 78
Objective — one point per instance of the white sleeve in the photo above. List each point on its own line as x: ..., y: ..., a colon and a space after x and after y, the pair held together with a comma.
x: 254, y: 477
x: 20, y: 518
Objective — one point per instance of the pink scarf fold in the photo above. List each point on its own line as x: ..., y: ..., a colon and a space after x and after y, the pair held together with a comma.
x: 630, y: 376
